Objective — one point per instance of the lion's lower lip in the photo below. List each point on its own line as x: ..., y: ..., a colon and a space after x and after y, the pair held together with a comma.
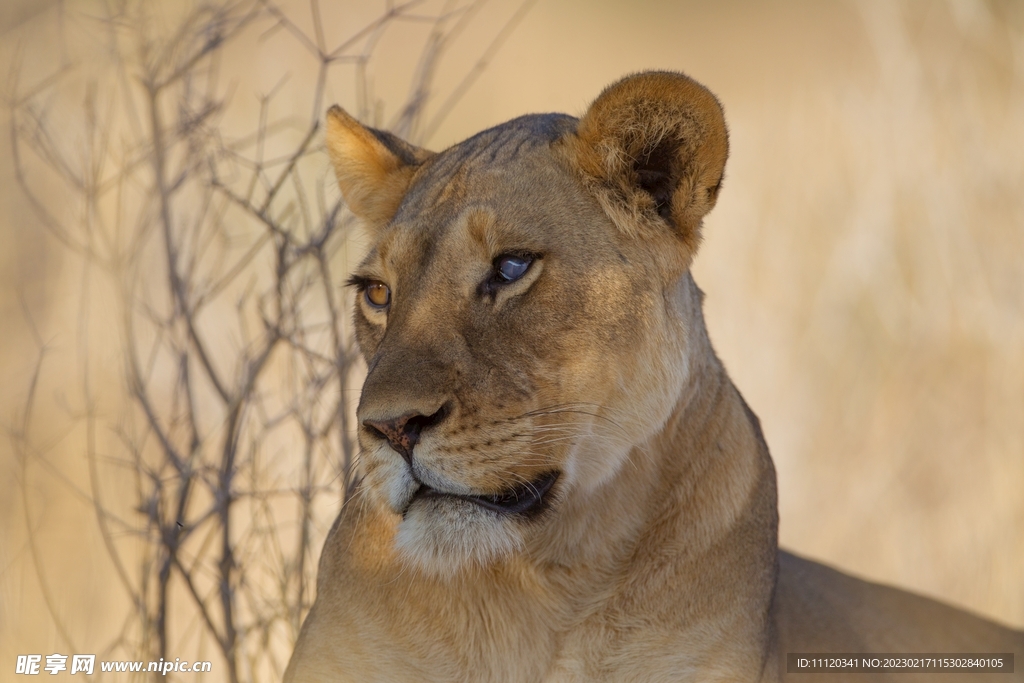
x: 525, y: 499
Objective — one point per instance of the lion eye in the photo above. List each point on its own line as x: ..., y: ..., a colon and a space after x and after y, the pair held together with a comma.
x: 511, y: 268
x: 377, y: 294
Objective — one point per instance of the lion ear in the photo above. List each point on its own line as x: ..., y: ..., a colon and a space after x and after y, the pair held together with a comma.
x: 653, y: 147
x: 374, y: 167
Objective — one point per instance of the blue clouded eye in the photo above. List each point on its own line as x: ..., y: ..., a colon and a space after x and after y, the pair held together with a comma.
x: 510, y: 268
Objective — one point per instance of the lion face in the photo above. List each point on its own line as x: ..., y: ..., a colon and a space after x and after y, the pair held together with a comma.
x: 520, y: 344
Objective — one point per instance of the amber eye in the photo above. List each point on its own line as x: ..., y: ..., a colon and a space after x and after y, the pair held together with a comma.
x: 377, y: 294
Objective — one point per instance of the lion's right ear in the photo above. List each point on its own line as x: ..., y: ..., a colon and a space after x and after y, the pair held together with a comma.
x: 374, y: 167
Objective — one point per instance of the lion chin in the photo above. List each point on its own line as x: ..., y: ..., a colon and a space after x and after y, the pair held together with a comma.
x: 444, y: 537
x: 446, y: 528
x: 559, y: 481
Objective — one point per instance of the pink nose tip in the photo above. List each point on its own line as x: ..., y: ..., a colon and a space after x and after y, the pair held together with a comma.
x: 403, y: 433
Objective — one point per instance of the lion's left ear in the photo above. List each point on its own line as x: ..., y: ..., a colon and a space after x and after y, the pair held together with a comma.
x: 653, y: 147
x: 374, y: 168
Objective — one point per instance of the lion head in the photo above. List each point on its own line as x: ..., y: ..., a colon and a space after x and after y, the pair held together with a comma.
x: 525, y: 312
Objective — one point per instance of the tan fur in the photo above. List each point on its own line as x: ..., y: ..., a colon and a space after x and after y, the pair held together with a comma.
x: 655, y: 558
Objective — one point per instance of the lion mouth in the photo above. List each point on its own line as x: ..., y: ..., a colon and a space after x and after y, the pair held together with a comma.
x: 524, y: 499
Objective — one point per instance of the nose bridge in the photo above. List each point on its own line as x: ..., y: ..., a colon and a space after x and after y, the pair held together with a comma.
x: 406, y: 379
x: 415, y: 368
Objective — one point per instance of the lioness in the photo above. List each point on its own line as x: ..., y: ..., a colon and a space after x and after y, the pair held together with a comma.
x: 559, y: 480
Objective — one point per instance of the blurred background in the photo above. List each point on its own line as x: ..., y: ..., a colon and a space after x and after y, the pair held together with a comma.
x: 176, y: 374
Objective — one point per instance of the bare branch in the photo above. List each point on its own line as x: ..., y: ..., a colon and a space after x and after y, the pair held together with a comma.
x: 214, y: 487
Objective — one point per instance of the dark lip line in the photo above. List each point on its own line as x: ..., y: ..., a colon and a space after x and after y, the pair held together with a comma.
x: 525, y: 499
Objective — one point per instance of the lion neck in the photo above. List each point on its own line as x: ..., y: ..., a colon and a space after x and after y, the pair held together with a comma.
x: 704, y: 472
x: 686, y: 533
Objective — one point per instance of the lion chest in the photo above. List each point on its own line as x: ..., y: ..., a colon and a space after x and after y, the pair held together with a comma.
x: 651, y: 644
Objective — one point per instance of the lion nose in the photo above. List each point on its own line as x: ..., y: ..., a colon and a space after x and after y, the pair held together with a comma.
x: 403, y: 432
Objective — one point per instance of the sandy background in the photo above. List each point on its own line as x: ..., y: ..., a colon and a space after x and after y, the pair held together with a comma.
x: 864, y: 272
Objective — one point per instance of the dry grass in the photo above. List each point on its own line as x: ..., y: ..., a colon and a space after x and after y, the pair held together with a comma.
x: 863, y: 271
